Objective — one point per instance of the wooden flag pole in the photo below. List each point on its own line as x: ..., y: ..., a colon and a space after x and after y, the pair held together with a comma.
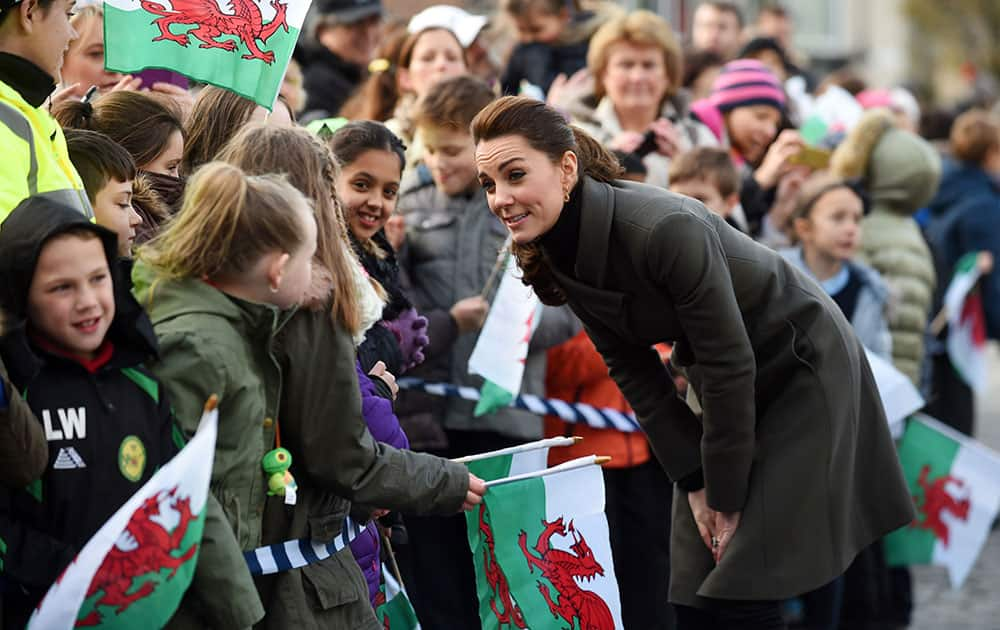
x: 498, y: 267
x: 392, y: 559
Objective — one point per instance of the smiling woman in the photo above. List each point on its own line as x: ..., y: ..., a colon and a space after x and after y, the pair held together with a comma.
x: 636, y: 63
x: 788, y: 404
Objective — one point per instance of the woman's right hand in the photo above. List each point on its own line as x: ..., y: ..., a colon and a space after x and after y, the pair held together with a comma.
x: 470, y: 313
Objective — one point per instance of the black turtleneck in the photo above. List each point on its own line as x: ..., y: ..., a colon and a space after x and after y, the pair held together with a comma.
x: 562, y: 240
x: 31, y: 82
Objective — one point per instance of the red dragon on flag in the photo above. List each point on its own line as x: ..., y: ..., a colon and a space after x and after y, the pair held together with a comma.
x: 245, y: 23
x: 153, y: 551
x: 497, y: 580
x: 562, y: 568
x: 937, y: 500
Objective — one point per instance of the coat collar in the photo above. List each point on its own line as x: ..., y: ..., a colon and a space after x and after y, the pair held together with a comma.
x: 596, y: 216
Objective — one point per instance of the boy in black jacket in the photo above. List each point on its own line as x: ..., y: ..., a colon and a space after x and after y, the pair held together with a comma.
x: 74, y: 349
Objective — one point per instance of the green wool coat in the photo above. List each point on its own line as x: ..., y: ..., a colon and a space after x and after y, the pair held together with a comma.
x: 792, y: 431
x: 211, y: 343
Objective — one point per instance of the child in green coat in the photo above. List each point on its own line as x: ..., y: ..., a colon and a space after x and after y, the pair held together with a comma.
x: 217, y: 284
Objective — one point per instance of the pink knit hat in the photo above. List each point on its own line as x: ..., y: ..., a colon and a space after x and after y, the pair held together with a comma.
x: 746, y: 82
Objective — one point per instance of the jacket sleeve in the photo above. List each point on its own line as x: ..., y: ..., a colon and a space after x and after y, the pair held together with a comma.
x: 673, y: 431
x: 378, y: 414
x: 330, y: 443
x: 24, y: 451
x: 30, y: 558
x: 223, y: 591
x: 686, y: 258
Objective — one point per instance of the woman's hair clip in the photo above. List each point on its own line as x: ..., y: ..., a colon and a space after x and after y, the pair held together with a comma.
x: 379, y: 65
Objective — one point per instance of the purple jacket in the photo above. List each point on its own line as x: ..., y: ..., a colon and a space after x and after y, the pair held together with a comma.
x: 384, y: 427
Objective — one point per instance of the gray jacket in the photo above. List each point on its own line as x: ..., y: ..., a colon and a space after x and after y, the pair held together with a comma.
x: 869, y: 319
x: 451, y: 247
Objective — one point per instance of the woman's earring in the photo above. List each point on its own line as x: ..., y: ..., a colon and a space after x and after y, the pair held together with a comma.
x: 566, y: 196
x: 274, y: 289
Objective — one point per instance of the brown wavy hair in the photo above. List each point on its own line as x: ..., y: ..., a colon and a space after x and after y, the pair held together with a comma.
x: 141, y: 124
x: 215, y: 118
x: 310, y: 167
x: 545, y: 130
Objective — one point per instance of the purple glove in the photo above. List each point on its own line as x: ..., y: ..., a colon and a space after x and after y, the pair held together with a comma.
x: 410, y: 329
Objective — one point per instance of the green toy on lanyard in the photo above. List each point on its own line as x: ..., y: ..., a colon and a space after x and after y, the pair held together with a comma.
x: 276, y: 463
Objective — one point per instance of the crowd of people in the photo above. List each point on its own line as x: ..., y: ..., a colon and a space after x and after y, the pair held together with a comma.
x: 164, y: 241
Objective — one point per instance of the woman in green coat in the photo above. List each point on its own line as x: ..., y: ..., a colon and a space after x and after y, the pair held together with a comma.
x: 788, y: 470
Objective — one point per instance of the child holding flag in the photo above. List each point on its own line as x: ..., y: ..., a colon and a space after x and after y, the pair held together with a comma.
x: 339, y: 462
x: 217, y: 284
x: 76, y: 349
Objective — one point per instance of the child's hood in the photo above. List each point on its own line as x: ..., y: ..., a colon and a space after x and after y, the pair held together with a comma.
x: 23, y: 234
x: 900, y: 170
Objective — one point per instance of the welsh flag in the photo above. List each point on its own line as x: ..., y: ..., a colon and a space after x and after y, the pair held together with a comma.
x: 395, y: 611
x: 133, y: 572
x: 502, y: 346
x: 966, y: 323
x: 495, y: 602
x: 550, y: 564
x: 955, y: 482
x: 240, y: 45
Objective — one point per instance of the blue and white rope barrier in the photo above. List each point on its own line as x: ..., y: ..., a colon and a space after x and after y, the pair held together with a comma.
x: 599, y: 418
x: 294, y: 554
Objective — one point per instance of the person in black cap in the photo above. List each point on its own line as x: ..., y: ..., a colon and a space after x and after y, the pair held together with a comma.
x: 34, y: 35
x: 347, y: 32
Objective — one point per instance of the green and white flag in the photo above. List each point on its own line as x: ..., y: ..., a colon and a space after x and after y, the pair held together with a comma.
x: 502, y: 347
x: 967, y: 323
x: 395, y: 612
x: 547, y: 535
x: 955, y: 482
x: 495, y: 602
x: 240, y: 45
x: 133, y: 572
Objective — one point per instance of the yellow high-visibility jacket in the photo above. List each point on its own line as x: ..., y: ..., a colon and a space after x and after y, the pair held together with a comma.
x: 34, y: 157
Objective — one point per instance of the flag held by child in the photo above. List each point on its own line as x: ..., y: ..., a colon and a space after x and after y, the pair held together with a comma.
x: 502, y: 347
x: 133, y: 572
x: 240, y: 45
x: 547, y: 537
x: 966, y: 321
x: 955, y: 487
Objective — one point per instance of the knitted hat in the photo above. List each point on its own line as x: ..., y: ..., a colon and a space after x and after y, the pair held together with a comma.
x: 746, y: 82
